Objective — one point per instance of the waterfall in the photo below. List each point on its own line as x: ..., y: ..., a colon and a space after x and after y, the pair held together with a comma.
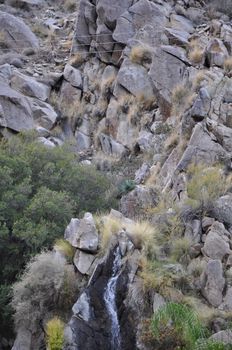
x: 110, y: 301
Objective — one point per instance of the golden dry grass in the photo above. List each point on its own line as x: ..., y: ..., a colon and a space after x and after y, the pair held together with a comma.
x: 196, y: 55
x: 65, y: 248
x: 228, y: 65
x: 140, y: 54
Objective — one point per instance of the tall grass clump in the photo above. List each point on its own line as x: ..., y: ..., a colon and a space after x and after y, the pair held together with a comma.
x: 55, y: 334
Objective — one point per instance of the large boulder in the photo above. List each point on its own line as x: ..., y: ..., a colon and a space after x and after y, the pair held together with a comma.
x: 222, y: 209
x: 15, y: 34
x: 213, y: 282
x: 29, y: 86
x: 83, y: 262
x: 216, y: 244
x: 83, y: 234
x: 134, y: 78
x: 15, y: 109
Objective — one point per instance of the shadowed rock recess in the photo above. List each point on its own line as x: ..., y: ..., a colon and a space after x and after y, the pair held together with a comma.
x: 138, y: 92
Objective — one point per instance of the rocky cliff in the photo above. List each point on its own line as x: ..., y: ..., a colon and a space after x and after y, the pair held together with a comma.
x: 143, y: 90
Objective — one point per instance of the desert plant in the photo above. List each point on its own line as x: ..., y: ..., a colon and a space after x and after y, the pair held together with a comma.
x: 38, y: 294
x: 196, y: 55
x: 140, y: 54
x: 180, y: 249
x: 65, y: 248
x: 182, y: 321
x: 181, y: 98
x: 55, y: 334
x: 228, y: 65
x: 125, y: 186
x: 205, y: 184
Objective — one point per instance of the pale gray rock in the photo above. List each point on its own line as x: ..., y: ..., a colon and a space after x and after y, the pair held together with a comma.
x: 177, y: 37
x: 69, y: 98
x: 46, y: 142
x: 216, y: 53
x: 71, y: 232
x: 222, y: 209
x: 224, y: 336
x: 73, y: 76
x: 142, y: 173
x: 110, y: 146
x: 201, y: 106
x: 227, y: 300
x: 144, y: 140
x: 201, y: 148
x: 43, y: 113
x: 17, y: 35
x: 16, y: 112
x: 29, y: 86
x: 181, y: 23
x: 158, y: 302
x: 166, y: 72
x: 108, y: 15
x: 216, y: 245
x: 23, y: 340
x: 83, y: 141
x: 83, y: 234
x: 82, y: 307
x: 83, y: 262
x: 193, y: 231
x: 134, y: 78
x: 207, y: 222
x: 213, y: 282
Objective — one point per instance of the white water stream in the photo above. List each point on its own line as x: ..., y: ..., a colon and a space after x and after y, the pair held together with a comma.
x: 110, y: 301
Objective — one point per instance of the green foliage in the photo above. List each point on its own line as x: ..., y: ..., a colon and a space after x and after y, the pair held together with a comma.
x: 205, y: 185
x: 182, y: 320
x: 177, y: 326
x: 211, y: 345
x: 41, y: 189
x: 125, y: 187
x: 55, y: 334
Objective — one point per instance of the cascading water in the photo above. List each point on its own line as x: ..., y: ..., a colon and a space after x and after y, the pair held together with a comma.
x: 110, y: 301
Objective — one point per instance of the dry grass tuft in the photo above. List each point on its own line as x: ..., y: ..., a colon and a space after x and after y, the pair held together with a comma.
x: 55, y: 334
x: 199, y: 78
x: 196, y: 55
x: 228, y: 66
x: 77, y: 59
x: 140, y: 54
x: 65, y: 248
x: 182, y: 98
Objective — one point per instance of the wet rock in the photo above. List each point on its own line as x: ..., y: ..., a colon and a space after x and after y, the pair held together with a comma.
x: 82, y: 307
x: 213, y: 282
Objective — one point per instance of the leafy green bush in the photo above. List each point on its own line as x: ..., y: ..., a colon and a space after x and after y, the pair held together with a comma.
x: 41, y: 189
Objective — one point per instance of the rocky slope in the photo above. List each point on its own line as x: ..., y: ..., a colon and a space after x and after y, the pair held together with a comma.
x: 141, y: 88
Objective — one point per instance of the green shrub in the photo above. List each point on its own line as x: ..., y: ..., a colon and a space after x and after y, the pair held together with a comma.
x: 55, y: 334
x: 183, y: 321
x: 41, y: 189
x: 205, y: 185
